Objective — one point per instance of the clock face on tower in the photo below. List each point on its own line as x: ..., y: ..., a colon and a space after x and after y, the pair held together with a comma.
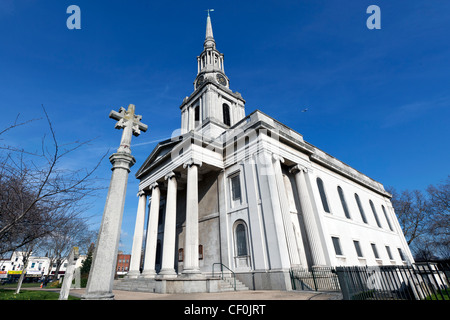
x: 221, y: 79
x: 200, y: 80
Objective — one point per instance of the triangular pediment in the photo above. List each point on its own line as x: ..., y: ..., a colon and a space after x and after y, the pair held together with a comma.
x: 162, y: 148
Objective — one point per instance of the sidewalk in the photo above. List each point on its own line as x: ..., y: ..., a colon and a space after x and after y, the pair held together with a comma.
x: 232, y: 295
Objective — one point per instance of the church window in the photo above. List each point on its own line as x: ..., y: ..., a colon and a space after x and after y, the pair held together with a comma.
x: 361, y: 209
x: 226, y: 114
x: 358, y: 248
x: 400, y: 252
x: 197, y: 114
x: 388, y: 250
x: 200, y: 252
x: 387, y: 219
x: 344, y: 204
x: 241, y: 240
x: 235, y: 188
x: 247, y: 152
x: 375, y: 213
x: 375, y: 251
x: 323, y: 196
x: 337, y: 246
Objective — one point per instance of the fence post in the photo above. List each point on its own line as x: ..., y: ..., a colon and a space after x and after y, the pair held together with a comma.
x: 341, y: 274
x: 314, y: 278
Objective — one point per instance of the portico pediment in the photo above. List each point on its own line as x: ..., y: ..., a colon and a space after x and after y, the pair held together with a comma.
x: 158, y: 154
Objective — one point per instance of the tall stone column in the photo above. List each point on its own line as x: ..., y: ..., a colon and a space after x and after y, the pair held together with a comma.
x: 152, y: 234
x: 104, y: 263
x: 285, y: 211
x: 312, y: 230
x: 168, y: 255
x: 191, y: 265
x: 136, y: 250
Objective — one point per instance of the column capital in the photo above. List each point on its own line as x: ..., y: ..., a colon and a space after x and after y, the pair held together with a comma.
x: 141, y: 193
x: 276, y: 156
x: 298, y: 168
x: 170, y: 175
x: 153, y: 185
x: 192, y: 162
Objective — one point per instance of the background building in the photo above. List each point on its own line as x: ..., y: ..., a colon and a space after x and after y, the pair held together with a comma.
x: 123, y: 264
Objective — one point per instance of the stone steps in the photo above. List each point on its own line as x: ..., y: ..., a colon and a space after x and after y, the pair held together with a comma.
x: 150, y: 285
x: 227, y: 284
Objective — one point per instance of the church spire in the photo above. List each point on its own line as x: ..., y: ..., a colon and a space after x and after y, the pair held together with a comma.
x: 212, y: 107
x: 210, y: 61
x: 209, y: 38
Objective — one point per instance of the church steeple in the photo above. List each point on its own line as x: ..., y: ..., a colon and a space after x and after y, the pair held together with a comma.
x: 212, y: 107
x: 209, y: 37
x: 210, y: 61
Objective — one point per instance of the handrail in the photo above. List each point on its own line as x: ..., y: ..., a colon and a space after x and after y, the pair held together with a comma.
x: 221, y: 270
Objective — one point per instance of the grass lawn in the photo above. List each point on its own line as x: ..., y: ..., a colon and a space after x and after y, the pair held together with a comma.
x: 438, y: 296
x: 8, y: 294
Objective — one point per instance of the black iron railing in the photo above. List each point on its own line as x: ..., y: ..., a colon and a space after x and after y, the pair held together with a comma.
x: 221, y: 271
x: 420, y: 281
x: 315, y: 278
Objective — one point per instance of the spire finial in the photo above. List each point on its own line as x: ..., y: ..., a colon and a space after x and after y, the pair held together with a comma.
x: 209, y: 38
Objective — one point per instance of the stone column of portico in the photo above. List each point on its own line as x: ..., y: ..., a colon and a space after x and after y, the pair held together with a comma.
x: 152, y: 233
x: 136, y: 250
x: 191, y: 265
x: 168, y: 255
x: 312, y: 231
x: 284, y: 203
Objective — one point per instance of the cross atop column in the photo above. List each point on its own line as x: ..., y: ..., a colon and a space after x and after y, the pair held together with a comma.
x: 130, y: 122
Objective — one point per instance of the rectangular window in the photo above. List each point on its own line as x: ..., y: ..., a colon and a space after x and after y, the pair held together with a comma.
x: 337, y: 246
x: 197, y: 114
x: 375, y: 251
x: 358, y: 248
x: 388, y: 250
x: 235, y: 188
x: 400, y: 252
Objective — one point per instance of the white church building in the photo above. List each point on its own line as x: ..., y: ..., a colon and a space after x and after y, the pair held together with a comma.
x: 250, y: 193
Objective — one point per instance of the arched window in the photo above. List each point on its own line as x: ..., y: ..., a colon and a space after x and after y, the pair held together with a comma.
x: 241, y: 240
x: 387, y: 219
x: 344, y: 204
x: 226, y: 114
x: 323, y: 197
x: 361, y: 210
x: 375, y: 213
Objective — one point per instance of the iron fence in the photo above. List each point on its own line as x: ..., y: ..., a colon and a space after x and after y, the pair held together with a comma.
x: 315, y: 278
x: 421, y: 281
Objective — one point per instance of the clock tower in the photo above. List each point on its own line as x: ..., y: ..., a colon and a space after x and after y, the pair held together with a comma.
x: 212, y: 108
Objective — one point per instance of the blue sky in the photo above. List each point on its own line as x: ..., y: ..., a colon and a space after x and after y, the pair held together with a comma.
x: 377, y: 100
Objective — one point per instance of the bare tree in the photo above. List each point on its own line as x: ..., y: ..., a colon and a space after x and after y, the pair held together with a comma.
x: 59, y: 243
x: 439, y: 226
x: 412, y: 209
x: 37, y: 195
x: 425, y: 219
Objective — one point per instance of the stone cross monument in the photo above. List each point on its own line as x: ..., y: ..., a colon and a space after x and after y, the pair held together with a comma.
x: 104, y: 262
